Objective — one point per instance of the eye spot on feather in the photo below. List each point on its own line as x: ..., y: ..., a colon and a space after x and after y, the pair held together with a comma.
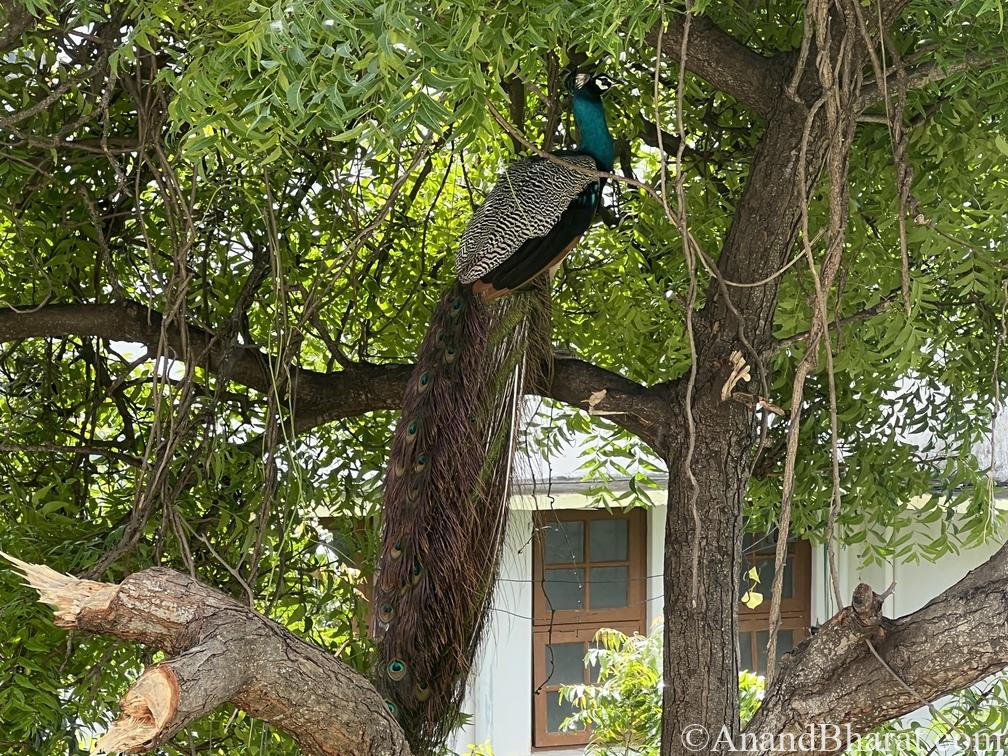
x: 450, y: 354
x: 422, y: 692
x: 392, y: 708
x: 416, y: 573
x: 396, y: 551
x: 421, y: 463
x: 396, y: 669
x: 424, y: 381
x: 386, y: 612
x: 411, y: 431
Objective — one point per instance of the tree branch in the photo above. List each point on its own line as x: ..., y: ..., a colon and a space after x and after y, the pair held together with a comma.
x: 891, y: 10
x: 17, y: 21
x: 858, y: 317
x: 354, y: 391
x: 220, y: 652
x: 320, y: 397
x: 929, y: 73
x: 834, y: 678
x: 720, y: 60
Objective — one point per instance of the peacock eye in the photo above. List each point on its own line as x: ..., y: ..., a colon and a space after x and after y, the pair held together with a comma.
x: 422, y: 692
x: 396, y: 551
x: 393, y: 709
x: 421, y: 463
x: 417, y: 572
x: 424, y: 381
x: 396, y: 669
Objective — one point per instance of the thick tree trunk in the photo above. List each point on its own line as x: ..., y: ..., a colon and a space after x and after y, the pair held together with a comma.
x: 700, y: 668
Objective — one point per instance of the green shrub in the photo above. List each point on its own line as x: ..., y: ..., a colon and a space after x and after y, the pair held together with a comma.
x: 623, y: 707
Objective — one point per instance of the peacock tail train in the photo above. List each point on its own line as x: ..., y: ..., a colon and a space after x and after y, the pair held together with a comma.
x: 445, y: 503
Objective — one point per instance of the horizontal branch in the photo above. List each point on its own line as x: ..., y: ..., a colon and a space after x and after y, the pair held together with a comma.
x: 353, y: 391
x: 219, y: 652
x: 320, y: 397
x: 720, y: 60
x: 858, y: 317
x: 929, y: 73
x: 835, y: 678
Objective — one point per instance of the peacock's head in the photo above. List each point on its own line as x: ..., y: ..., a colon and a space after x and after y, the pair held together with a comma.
x: 592, y: 86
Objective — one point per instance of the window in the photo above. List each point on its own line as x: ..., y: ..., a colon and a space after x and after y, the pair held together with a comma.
x: 588, y: 573
x: 796, y: 599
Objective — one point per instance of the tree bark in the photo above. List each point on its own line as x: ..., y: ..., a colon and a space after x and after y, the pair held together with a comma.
x: 222, y: 651
x: 700, y: 629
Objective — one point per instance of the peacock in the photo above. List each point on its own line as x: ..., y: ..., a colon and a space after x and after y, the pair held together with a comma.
x: 447, y: 481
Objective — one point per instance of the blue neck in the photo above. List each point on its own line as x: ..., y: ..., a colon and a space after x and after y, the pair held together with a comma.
x: 593, y: 131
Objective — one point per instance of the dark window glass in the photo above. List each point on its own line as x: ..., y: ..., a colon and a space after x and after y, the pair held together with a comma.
x: 565, y: 663
x: 609, y: 587
x: 564, y: 542
x: 564, y: 589
x: 608, y: 540
x: 745, y: 651
x: 557, y: 711
x: 785, y: 642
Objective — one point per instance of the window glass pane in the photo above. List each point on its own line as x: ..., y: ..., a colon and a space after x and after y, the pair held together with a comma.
x: 785, y: 642
x: 557, y: 711
x: 564, y: 542
x: 765, y: 568
x: 564, y: 664
x: 749, y: 541
x: 745, y: 651
x: 609, y: 587
x: 564, y: 589
x: 787, y: 590
x: 607, y: 540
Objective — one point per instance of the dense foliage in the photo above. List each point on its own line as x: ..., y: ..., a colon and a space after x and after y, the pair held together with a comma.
x: 294, y: 175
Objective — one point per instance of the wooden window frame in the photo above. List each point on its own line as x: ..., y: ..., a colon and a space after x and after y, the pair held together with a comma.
x: 796, y: 612
x: 571, y: 625
x: 544, y: 615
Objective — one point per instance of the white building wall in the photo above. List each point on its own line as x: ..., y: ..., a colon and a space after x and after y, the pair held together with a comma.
x: 499, y: 697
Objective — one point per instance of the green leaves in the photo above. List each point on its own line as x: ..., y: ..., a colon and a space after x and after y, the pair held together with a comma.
x: 623, y: 706
x: 295, y: 176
